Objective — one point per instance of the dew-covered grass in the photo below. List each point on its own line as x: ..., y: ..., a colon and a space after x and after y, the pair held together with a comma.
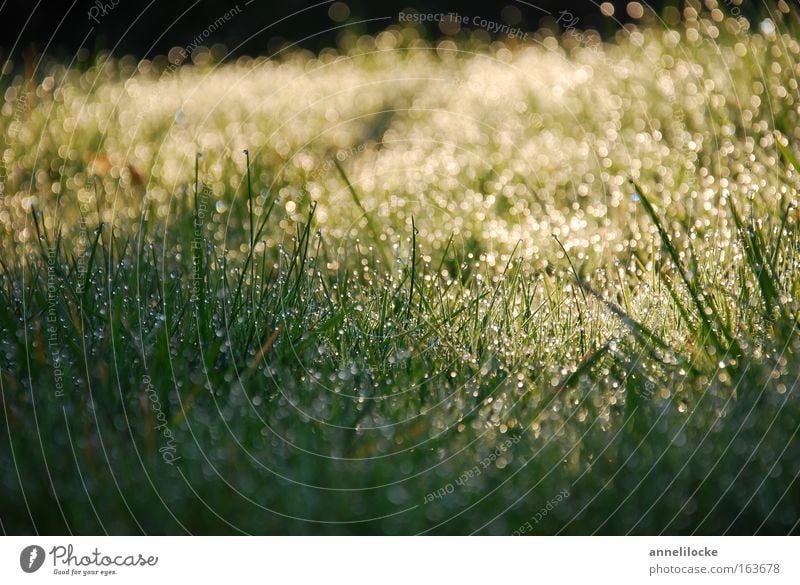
x: 445, y: 283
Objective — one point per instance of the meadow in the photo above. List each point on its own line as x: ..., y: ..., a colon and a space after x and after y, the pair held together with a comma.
x: 407, y: 286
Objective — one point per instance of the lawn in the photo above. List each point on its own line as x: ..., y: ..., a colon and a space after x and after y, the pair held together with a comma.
x: 407, y: 286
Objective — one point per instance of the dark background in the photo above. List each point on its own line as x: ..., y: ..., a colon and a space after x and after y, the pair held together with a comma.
x: 145, y: 28
x: 60, y: 26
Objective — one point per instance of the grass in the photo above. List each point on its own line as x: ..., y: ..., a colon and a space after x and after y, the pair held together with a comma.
x: 326, y: 334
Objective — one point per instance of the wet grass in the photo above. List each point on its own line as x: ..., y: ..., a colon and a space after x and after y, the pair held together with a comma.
x: 349, y: 395
x: 230, y: 359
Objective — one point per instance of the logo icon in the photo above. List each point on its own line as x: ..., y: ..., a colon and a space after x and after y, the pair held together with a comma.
x: 31, y: 558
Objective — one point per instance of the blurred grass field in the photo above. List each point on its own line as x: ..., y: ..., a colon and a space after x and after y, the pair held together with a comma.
x: 407, y: 286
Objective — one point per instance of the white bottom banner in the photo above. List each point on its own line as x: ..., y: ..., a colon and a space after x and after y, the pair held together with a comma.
x: 399, y: 560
